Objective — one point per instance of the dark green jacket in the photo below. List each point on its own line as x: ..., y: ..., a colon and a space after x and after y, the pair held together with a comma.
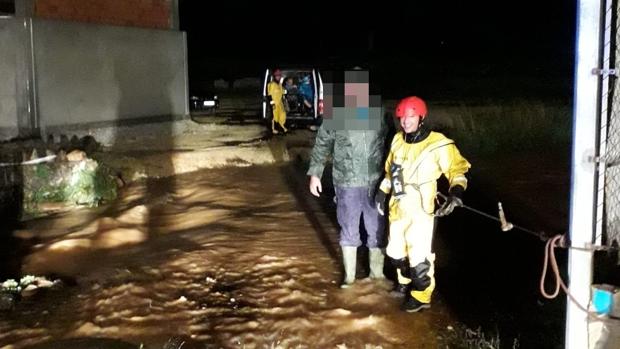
x: 357, y: 156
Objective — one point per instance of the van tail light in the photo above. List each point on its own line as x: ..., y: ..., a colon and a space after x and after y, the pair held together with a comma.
x: 320, y: 107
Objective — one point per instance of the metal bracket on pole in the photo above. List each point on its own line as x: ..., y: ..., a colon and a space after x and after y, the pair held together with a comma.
x: 605, y: 160
x: 605, y: 72
x: 596, y: 159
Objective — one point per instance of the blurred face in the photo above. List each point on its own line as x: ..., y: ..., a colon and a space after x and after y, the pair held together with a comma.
x: 410, y: 123
x: 359, y: 92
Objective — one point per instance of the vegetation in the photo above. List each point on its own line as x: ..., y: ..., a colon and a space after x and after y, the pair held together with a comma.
x: 510, y: 127
x: 465, y: 338
x: 75, y: 183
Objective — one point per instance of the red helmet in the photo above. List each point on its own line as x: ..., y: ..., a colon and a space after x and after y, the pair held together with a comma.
x: 411, y: 106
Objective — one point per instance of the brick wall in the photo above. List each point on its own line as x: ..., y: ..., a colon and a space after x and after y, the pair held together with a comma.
x: 133, y: 13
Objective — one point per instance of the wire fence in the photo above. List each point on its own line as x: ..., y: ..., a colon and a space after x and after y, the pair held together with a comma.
x: 610, y: 129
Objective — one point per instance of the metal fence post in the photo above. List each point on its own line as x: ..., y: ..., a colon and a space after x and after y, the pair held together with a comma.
x: 584, y: 169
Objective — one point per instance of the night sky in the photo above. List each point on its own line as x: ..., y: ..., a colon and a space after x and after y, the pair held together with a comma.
x: 406, y: 45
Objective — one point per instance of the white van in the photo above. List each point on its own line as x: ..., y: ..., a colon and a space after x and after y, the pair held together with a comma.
x: 297, y: 111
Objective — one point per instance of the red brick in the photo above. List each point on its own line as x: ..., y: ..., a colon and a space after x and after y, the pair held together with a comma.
x: 141, y: 13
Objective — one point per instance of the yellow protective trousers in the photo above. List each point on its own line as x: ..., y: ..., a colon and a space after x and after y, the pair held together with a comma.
x: 276, y: 91
x: 411, y: 216
x: 411, y: 237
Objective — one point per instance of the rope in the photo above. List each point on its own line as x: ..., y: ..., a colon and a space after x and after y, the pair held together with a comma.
x: 550, y: 247
x: 541, y: 235
x: 551, y: 244
x: 550, y: 256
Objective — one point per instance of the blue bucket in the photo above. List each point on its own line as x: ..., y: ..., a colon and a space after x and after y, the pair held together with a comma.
x: 603, y: 301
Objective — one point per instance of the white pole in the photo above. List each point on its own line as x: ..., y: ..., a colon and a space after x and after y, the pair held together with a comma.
x: 583, y: 191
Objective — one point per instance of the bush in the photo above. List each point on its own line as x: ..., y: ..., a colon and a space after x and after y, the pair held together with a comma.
x: 76, y: 183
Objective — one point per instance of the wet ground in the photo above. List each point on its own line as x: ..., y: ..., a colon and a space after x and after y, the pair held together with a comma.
x: 243, y: 256
x: 213, y: 257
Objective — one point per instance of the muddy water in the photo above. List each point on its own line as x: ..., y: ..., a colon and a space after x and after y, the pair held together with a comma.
x: 226, y: 258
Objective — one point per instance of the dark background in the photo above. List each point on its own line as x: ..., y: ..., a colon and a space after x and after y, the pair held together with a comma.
x: 446, y: 49
x: 7, y: 7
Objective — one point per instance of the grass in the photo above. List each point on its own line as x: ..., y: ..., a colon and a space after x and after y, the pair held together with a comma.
x: 511, y: 126
x: 466, y: 338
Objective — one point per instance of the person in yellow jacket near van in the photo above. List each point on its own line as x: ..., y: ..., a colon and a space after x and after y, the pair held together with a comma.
x: 417, y: 158
x: 276, y: 91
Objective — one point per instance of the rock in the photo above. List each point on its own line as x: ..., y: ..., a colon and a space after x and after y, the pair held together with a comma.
x: 43, y: 283
x: 29, y: 290
x: 76, y: 155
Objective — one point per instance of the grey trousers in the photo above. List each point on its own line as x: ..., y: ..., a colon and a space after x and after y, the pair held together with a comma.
x: 353, y: 203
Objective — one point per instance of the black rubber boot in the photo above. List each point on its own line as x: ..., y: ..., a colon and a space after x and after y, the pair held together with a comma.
x: 412, y: 305
x: 399, y: 290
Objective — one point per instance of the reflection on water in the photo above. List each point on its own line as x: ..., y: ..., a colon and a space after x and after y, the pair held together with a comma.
x: 231, y: 261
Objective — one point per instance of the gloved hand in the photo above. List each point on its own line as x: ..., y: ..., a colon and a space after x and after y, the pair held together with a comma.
x: 454, y: 199
x: 380, y: 202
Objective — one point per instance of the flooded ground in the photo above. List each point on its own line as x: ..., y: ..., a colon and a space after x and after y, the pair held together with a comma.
x: 225, y: 257
x: 244, y: 257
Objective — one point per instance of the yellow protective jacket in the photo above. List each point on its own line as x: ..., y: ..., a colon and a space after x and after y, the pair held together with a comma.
x: 276, y: 91
x: 422, y: 164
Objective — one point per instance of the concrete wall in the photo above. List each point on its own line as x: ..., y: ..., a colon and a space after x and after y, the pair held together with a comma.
x: 95, y: 74
x: 15, y: 103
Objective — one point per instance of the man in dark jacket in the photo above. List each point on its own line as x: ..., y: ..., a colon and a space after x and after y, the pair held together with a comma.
x: 357, y: 155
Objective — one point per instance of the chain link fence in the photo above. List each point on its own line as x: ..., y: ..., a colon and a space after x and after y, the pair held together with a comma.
x: 610, y: 131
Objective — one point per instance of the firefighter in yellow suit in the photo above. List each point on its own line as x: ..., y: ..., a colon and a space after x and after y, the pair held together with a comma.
x: 417, y: 158
x: 276, y: 91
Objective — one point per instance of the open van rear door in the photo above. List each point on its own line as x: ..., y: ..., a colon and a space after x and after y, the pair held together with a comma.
x: 265, y: 82
x: 318, y: 88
